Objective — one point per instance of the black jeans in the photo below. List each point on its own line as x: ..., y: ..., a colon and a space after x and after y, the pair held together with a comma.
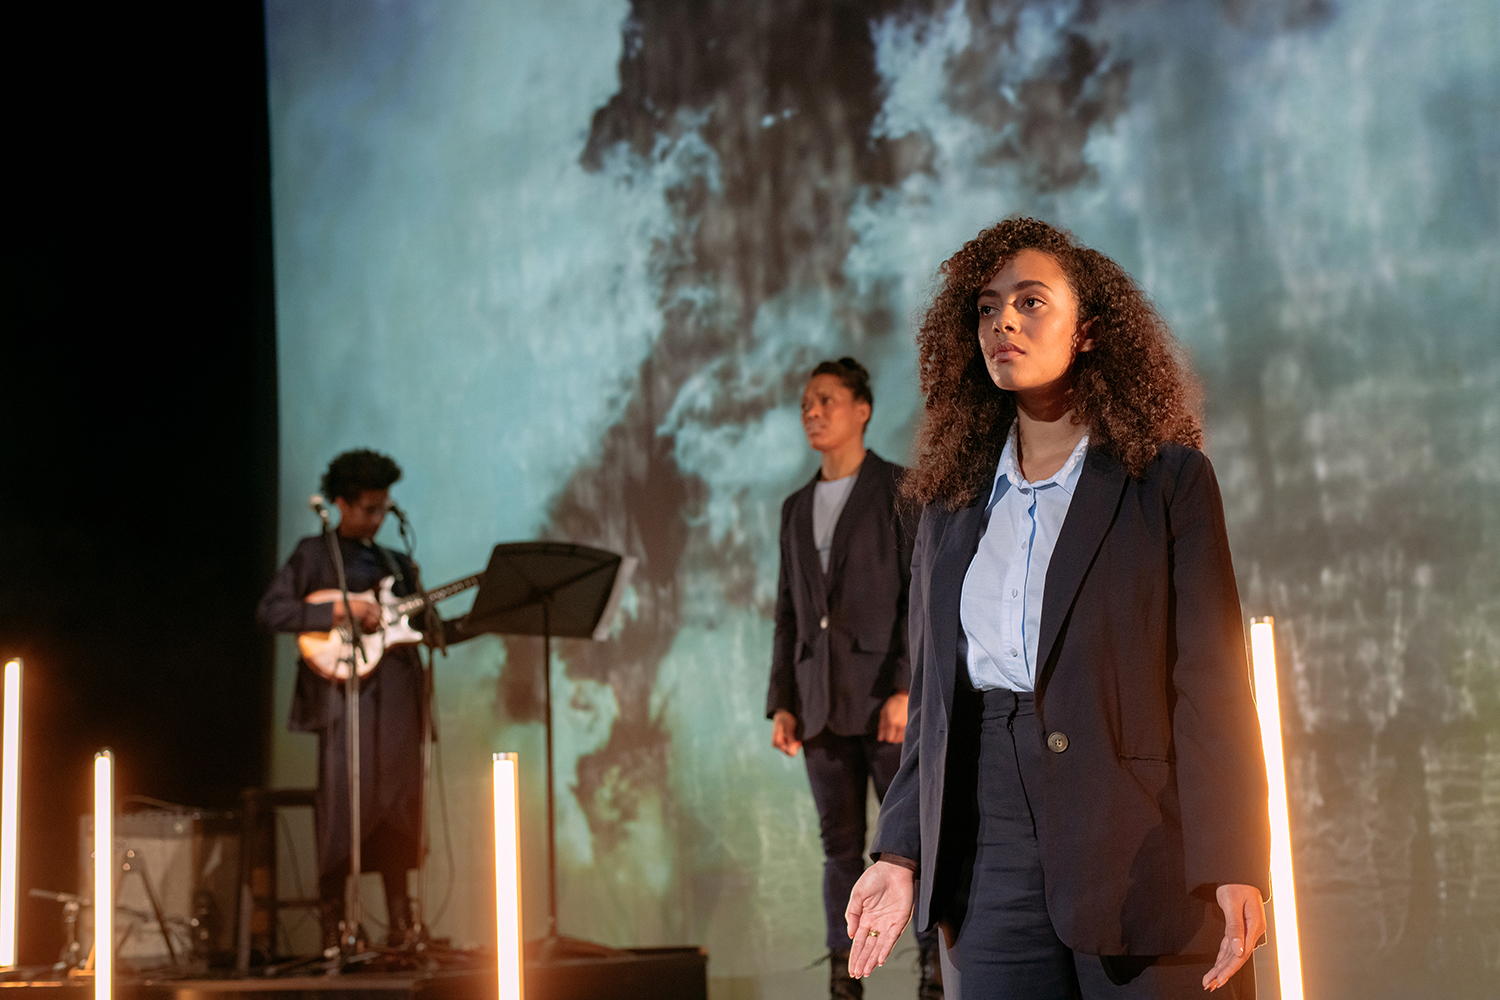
x: 998, y: 939
x: 840, y: 769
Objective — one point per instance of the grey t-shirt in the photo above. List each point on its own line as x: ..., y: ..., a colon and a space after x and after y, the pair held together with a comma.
x: 829, y: 496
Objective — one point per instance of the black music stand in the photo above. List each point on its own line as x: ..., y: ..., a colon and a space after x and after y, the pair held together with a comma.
x: 551, y: 589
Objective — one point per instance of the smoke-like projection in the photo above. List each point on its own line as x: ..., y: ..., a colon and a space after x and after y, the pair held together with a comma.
x: 570, y: 261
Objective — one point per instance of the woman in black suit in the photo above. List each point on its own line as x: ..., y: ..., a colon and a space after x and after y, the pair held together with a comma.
x: 839, y: 669
x: 1081, y: 801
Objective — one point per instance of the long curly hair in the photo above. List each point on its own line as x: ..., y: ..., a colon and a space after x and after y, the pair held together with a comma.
x: 1134, y: 390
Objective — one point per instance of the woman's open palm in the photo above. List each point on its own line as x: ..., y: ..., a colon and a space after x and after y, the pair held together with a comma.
x: 879, y: 908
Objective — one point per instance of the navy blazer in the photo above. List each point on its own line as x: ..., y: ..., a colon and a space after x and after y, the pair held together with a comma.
x: 840, y: 645
x: 1157, y: 794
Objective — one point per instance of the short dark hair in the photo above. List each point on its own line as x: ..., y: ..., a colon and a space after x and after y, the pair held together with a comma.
x: 852, y: 374
x: 352, y: 473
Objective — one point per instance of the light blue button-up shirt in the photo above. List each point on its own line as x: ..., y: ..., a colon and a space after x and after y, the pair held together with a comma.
x: 1001, y: 605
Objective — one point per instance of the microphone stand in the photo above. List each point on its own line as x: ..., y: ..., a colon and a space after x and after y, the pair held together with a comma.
x: 353, y: 910
x: 432, y: 626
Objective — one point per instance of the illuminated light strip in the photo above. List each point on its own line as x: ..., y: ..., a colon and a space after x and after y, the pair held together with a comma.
x: 508, y: 875
x: 10, y: 812
x: 1283, y: 889
x: 104, y: 874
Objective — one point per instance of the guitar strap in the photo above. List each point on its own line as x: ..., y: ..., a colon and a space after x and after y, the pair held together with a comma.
x: 431, y: 624
x: 390, y: 563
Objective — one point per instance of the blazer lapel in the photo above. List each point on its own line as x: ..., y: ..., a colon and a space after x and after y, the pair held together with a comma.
x: 865, y: 486
x: 1090, y: 514
x: 953, y: 552
x: 807, y: 548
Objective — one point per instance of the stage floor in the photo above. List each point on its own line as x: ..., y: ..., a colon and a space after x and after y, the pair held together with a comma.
x: 466, y: 985
x: 636, y: 974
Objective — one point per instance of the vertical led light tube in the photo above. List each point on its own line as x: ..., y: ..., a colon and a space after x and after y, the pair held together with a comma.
x: 10, y: 811
x: 506, y: 776
x: 104, y: 874
x: 1283, y: 889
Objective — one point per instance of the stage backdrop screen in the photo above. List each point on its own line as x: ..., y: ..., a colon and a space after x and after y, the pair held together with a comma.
x: 569, y: 262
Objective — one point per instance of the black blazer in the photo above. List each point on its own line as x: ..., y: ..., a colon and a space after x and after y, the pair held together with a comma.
x: 1154, y: 784
x: 840, y: 645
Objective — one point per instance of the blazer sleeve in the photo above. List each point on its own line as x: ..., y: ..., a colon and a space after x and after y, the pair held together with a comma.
x: 783, y: 689
x: 1220, y: 767
x: 906, y: 533
x: 282, y: 609
x: 899, y: 828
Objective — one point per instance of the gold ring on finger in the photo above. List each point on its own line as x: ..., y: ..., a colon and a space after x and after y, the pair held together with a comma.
x: 874, y: 932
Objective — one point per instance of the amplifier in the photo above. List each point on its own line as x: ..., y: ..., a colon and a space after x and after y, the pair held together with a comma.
x: 189, y: 861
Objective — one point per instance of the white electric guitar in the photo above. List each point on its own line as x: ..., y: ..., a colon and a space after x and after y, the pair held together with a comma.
x: 329, y: 653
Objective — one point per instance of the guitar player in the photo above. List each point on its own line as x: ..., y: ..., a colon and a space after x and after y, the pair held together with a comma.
x: 390, y: 709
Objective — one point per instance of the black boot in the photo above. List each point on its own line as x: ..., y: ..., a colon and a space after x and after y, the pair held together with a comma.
x: 331, y: 918
x: 841, y: 985
x: 399, y: 934
x: 930, y: 969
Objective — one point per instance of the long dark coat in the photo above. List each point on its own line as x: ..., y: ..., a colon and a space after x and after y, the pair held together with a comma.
x: 390, y: 714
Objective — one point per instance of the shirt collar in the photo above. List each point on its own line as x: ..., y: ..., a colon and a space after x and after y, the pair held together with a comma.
x: 1009, y: 473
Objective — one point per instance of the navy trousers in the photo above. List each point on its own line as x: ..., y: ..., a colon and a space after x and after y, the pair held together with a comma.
x: 998, y: 941
x: 840, y: 769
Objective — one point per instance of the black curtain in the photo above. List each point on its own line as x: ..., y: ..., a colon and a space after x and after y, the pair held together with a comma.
x: 137, y: 414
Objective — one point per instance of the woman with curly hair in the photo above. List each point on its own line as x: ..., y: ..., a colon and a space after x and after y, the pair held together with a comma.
x: 1081, y: 803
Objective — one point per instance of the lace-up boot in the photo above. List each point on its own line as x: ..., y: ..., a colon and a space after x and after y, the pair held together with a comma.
x: 400, y: 930
x: 841, y: 985
x: 930, y: 971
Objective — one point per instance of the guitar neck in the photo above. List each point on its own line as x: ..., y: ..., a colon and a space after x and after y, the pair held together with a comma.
x: 411, y: 604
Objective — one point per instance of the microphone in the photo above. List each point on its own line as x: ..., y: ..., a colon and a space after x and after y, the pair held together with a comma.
x: 316, y: 503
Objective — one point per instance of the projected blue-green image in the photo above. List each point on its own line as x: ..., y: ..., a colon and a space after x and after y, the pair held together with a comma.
x: 571, y: 262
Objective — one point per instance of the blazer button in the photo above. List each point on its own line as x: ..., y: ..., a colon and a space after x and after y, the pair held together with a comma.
x: 823, y: 622
x: 1057, y: 742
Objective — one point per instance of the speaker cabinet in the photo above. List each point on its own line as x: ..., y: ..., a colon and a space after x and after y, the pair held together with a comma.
x: 176, y: 880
